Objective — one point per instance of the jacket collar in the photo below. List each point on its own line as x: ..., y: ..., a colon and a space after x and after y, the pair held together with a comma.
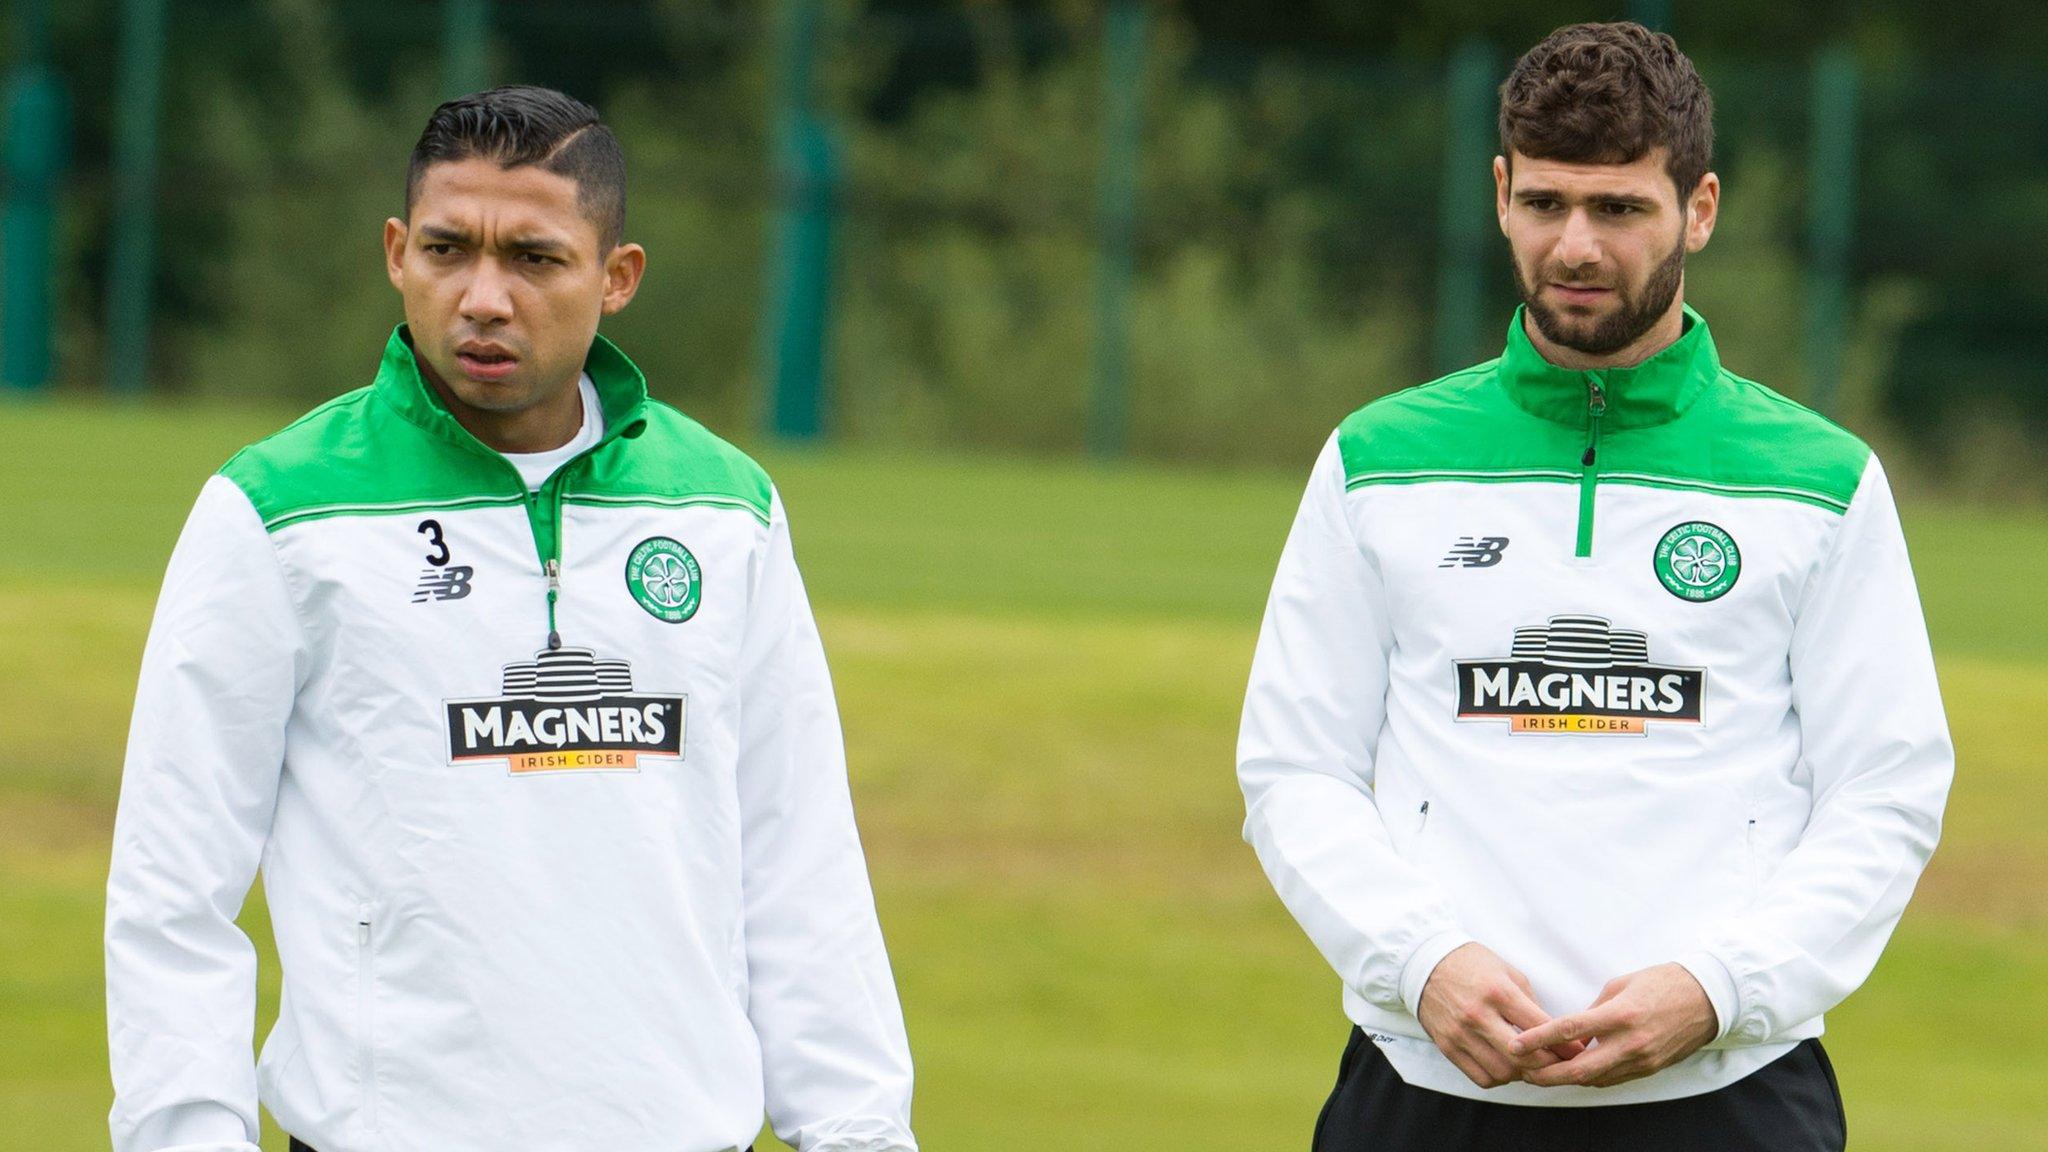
x: 1655, y: 391
x: 621, y: 392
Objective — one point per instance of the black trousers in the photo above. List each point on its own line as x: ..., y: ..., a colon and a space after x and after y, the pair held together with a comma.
x: 1791, y: 1104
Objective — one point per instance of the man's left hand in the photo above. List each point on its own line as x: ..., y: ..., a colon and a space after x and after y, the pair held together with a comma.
x: 1641, y: 1023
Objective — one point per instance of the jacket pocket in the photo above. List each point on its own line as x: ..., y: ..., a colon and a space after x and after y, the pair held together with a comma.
x: 366, y: 1016
x: 1418, y: 838
x: 1752, y: 871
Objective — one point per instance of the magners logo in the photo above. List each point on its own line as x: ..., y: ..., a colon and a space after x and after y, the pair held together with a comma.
x: 564, y: 711
x: 1579, y: 675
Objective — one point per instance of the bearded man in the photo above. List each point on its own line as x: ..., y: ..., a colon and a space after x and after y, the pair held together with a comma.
x: 1593, y: 734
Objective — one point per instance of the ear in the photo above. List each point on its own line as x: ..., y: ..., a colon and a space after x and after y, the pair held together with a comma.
x: 394, y: 252
x: 1501, y: 183
x: 1704, y: 209
x: 623, y: 267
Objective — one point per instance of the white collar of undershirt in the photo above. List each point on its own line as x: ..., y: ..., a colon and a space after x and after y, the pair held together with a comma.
x: 536, y: 467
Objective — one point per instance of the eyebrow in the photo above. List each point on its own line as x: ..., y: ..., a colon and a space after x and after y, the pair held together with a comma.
x: 440, y: 234
x: 540, y: 244
x: 1596, y: 200
x: 1643, y: 202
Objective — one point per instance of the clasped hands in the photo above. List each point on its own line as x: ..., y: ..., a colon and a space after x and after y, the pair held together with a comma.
x: 1483, y: 1015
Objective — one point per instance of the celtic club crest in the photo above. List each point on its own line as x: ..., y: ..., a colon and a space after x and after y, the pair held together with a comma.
x: 1697, y: 561
x: 664, y: 578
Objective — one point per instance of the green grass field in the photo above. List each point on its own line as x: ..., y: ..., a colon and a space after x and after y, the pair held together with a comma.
x: 1040, y: 667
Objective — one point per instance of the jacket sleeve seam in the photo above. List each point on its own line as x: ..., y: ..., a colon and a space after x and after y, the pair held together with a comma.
x: 284, y: 580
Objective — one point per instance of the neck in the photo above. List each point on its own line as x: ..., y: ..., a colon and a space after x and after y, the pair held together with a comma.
x: 1661, y: 335
x: 542, y: 427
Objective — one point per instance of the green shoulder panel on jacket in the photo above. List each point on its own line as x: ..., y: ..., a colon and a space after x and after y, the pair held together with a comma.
x: 354, y: 455
x: 1462, y: 426
x: 1735, y: 437
x: 357, y: 456
x: 673, y: 462
x: 1743, y: 439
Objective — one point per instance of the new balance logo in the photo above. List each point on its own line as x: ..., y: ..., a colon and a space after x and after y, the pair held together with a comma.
x: 451, y: 583
x: 1476, y: 552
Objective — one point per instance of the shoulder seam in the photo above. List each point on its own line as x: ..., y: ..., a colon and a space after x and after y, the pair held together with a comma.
x: 729, y: 445
x: 352, y: 396
x: 1771, y: 394
x: 1474, y: 370
x: 284, y: 579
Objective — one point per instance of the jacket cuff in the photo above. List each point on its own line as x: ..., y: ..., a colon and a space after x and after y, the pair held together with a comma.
x: 1423, y: 961
x: 1719, y: 985
x: 896, y: 1143
x: 207, y: 1125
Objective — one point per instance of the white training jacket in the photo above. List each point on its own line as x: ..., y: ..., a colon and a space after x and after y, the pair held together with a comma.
x: 1602, y: 670
x: 547, y: 790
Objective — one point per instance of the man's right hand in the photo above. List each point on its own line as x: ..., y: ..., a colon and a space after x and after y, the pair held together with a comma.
x: 1473, y: 1006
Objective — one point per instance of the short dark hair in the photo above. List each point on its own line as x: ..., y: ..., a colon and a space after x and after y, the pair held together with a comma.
x: 522, y: 124
x: 1608, y: 94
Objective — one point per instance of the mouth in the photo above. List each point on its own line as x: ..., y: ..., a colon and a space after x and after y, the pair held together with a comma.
x: 483, y: 361
x: 1582, y: 294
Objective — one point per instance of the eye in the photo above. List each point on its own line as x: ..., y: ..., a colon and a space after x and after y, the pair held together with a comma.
x: 439, y: 249
x: 1619, y: 209
x: 1541, y: 204
x: 535, y: 258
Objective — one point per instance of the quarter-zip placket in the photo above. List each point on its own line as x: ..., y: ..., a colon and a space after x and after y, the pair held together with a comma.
x: 544, y: 513
x: 544, y: 519
x: 1589, y: 469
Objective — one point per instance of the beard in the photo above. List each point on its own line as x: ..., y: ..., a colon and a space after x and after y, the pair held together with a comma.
x: 1638, y: 312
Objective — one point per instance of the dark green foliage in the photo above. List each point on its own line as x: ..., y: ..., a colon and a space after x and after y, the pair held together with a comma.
x: 1289, y: 191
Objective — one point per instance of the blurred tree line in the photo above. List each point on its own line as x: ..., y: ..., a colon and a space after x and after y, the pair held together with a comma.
x: 1290, y: 191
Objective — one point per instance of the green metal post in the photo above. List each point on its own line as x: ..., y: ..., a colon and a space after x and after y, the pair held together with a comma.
x: 136, y: 110
x: 1116, y: 221
x: 797, y: 308
x: 465, y: 47
x: 1830, y: 221
x: 34, y: 116
x: 1466, y: 206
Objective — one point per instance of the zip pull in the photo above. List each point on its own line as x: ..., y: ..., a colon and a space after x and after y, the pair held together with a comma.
x: 1596, y: 407
x: 554, y: 571
x: 1589, y: 477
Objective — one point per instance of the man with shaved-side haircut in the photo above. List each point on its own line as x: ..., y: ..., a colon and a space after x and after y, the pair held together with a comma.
x: 504, y: 675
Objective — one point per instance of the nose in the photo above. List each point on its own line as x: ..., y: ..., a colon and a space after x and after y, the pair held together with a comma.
x: 487, y: 298
x: 1579, y: 244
